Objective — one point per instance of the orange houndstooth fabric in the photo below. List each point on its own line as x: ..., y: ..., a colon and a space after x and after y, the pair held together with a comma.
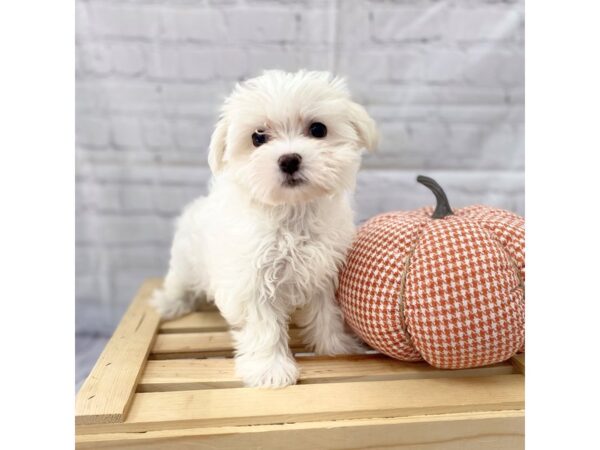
x: 449, y: 290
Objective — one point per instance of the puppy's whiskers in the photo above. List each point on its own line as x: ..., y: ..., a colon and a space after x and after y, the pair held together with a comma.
x: 293, y: 181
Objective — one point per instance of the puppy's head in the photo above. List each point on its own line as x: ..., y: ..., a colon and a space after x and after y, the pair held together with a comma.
x: 291, y: 137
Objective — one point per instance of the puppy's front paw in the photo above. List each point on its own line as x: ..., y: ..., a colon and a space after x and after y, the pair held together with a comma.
x: 275, y: 372
x: 167, y: 307
x: 339, y: 344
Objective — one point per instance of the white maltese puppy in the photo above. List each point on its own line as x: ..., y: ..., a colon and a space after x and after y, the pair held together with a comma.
x: 274, y: 230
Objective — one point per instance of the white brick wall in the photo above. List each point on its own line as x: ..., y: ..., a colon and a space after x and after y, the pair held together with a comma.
x: 444, y: 80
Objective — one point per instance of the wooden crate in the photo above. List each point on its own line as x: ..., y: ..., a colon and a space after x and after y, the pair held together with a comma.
x: 172, y: 385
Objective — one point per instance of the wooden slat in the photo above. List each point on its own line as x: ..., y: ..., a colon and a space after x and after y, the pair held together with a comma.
x: 185, y: 374
x: 108, y: 390
x: 519, y: 362
x: 197, y: 322
x: 202, y: 344
x: 312, y: 402
x: 494, y: 430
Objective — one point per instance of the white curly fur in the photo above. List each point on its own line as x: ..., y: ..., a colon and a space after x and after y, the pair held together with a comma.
x: 260, y: 248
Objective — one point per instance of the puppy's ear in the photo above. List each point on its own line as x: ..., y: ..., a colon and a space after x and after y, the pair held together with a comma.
x: 365, y: 126
x: 216, y: 150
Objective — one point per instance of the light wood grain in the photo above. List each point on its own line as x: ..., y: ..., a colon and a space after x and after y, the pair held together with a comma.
x: 108, y: 390
x: 197, y: 322
x: 311, y: 402
x: 519, y: 362
x: 186, y: 374
x: 352, y: 402
x: 203, y: 344
x: 493, y: 430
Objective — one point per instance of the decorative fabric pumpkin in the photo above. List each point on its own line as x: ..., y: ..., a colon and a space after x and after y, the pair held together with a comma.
x: 443, y: 286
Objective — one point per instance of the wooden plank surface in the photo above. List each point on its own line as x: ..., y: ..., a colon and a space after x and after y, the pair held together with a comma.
x: 185, y: 374
x: 494, y: 430
x: 196, y: 322
x: 199, y: 322
x: 107, y: 392
x: 312, y: 402
x: 519, y: 362
x: 202, y: 344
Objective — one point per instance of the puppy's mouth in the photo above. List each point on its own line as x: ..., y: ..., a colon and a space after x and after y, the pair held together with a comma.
x: 292, y: 181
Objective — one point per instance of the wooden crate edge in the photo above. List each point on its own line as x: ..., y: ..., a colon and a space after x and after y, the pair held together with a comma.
x: 472, y: 430
x: 107, y: 392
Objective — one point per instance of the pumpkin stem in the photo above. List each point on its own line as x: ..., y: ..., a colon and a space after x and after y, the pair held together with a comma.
x: 442, y: 208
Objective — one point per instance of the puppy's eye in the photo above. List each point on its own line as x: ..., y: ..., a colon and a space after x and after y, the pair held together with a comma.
x: 259, y: 138
x: 318, y: 130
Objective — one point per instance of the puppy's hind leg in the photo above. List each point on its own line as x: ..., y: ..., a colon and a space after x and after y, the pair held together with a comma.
x: 173, y: 299
x: 323, y: 326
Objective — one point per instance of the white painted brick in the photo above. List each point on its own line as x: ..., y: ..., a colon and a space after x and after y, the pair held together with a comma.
x: 483, y: 114
x: 313, y: 59
x: 443, y: 79
x: 89, y: 98
x: 163, y: 63
x: 86, y: 287
x: 108, y: 199
x: 437, y: 65
x: 138, y: 198
x: 86, y: 260
x: 158, y: 176
x: 196, y: 176
x: 438, y: 145
x: 192, y: 24
x: 100, y: 198
x: 125, y: 132
x: 353, y: 24
x: 95, y: 317
x: 231, y: 63
x: 504, y: 148
x: 123, y: 21
x: 137, y: 258
x: 157, y: 134
x: 272, y: 57
x: 126, y: 96
x: 116, y: 173
x: 442, y: 21
x: 82, y: 21
x: 126, y: 283
x: 406, y: 112
x: 400, y: 24
x: 481, y: 24
x: 193, y: 99
x: 192, y: 134
x: 407, y: 65
x: 94, y: 58
x: 87, y: 194
x: 317, y: 26
x: 489, y: 66
x: 443, y: 65
x: 261, y: 25
x: 198, y: 65
x: 127, y: 59
x: 371, y: 65
x: 512, y: 71
x: 172, y: 199
x: 465, y: 94
x: 92, y: 132
x: 85, y: 230
x: 133, y: 229
x: 392, y: 93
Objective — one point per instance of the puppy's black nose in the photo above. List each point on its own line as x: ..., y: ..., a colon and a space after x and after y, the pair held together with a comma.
x: 289, y: 163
